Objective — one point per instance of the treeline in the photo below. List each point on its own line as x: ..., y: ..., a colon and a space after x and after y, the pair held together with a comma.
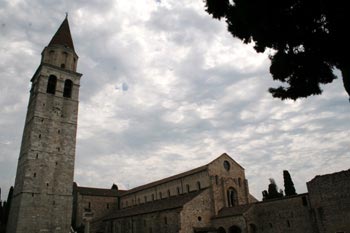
x: 5, y: 210
x: 272, y: 192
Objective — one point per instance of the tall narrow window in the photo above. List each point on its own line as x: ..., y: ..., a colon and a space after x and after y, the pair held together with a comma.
x: 188, y: 188
x: 51, y: 84
x: 68, y: 85
x: 199, y: 185
x: 168, y: 193
x: 64, y: 62
x: 232, y: 197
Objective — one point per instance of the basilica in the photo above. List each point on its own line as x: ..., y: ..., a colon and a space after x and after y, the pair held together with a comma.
x: 213, y: 198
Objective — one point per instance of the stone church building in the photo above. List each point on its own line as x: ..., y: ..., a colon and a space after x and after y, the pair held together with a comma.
x: 213, y: 198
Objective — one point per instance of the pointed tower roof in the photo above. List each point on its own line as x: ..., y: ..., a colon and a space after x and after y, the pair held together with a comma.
x: 63, y: 36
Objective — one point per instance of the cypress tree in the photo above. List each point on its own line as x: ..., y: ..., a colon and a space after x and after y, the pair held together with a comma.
x: 288, y: 184
x: 8, y: 205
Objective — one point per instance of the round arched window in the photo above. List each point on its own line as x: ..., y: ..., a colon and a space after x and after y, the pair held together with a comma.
x: 227, y: 165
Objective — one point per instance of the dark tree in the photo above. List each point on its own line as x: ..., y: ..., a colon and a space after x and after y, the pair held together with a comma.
x: 288, y: 184
x: 265, y: 195
x: 1, y: 213
x: 272, y: 191
x: 8, y: 205
x: 309, y: 38
x: 114, y: 186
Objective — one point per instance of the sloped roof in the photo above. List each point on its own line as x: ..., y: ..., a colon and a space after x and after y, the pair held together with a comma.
x: 168, y: 179
x: 98, y: 192
x: 63, y: 36
x: 155, y: 183
x: 155, y: 206
x: 233, y: 211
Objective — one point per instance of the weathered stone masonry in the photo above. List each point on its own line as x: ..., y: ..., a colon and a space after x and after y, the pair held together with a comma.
x: 42, y: 200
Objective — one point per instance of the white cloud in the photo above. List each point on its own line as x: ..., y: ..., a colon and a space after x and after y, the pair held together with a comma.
x: 165, y: 88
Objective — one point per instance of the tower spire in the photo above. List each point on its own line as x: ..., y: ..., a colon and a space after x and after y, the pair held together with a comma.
x: 63, y: 35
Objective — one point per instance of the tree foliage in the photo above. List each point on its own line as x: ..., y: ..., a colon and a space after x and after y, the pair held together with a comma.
x: 288, y: 184
x: 272, y: 191
x: 8, y: 205
x: 308, y: 36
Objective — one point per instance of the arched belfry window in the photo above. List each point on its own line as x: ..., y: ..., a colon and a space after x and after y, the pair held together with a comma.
x: 51, y: 84
x: 68, y: 85
x: 232, y: 197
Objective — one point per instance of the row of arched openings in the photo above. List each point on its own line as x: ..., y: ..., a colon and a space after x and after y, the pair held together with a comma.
x: 51, y: 86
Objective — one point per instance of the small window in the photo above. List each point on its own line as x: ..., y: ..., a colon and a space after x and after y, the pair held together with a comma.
x: 107, y: 205
x: 168, y: 193
x: 304, y: 200
x: 239, y: 182
x: 51, y: 84
x: 178, y: 190
x: 165, y: 221
x: 288, y: 223
x: 34, y: 175
x: 199, y: 218
x: 216, y: 179
x: 152, y: 197
x: 68, y: 85
x: 63, y: 66
x: 199, y: 185
x: 188, y: 188
x: 89, y: 205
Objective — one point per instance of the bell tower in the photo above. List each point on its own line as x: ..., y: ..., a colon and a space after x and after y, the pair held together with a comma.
x: 42, y: 198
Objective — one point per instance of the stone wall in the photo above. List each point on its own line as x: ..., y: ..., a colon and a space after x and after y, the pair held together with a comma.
x: 196, y: 213
x: 289, y: 214
x: 157, y: 222
x: 330, y: 199
x: 99, y: 206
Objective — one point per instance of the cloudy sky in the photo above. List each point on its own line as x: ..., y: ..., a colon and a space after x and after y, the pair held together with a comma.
x: 165, y: 89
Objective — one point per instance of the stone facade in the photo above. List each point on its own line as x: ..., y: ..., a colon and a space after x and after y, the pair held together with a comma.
x: 215, y: 198
x: 183, y: 203
x: 42, y: 199
x: 330, y: 198
x: 94, y: 202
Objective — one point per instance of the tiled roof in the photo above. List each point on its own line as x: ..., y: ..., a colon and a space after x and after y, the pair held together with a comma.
x: 149, y: 185
x: 98, y: 192
x: 155, y: 206
x: 233, y: 211
x: 63, y: 36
